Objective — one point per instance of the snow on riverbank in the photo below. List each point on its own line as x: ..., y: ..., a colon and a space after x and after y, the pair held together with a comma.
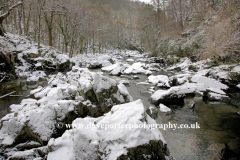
x: 79, y: 93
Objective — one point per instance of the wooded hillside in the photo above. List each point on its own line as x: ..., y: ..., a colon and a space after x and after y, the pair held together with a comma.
x: 163, y: 27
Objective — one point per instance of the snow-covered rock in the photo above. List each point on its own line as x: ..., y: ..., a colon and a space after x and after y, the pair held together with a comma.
x: 130, y: 60
x: 238, y: 86
x: 158, y: 79
x: 171, y: 96
x: 191, y: 88
x: 116, y: 71
x: 102, y: 91
x: 173, y: 81
x: 137, y: 68
x: 164, y: 108
x: 110, y: 68
x: 28, y: 57
x: 236, y: 69
x: 32, y: 154
x: 182, y: 80
x: 208, y: 82
x: 191, y: 105
x: 135, y: 77
x: 183, y: 65
x: 216, y: 90
x: 216, y: 94
x: 152, y: 112
x: 94, y: 65
x: 125, y: 82
x: 217, y: 97
x: 32, y: 80
x: 112, y: 136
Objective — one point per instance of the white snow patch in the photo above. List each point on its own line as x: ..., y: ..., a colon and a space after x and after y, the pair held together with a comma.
x: 112, y: 67
x: 102, y: 82
x: 209, y: 82
x: 164, y: 108
x: 130, y: 60
x: 236, y: 69
x: 137, y: 68
x: 216, y: 90
x: 159, y: 78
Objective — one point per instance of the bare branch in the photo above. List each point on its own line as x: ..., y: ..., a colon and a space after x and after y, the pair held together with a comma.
x: 7, y: 94
x: 2, y: 79
x: 8, y: 12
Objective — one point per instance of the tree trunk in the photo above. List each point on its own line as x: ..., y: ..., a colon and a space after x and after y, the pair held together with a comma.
x: 2, y: 31
x: 3, y: 16
x: 50, y: 37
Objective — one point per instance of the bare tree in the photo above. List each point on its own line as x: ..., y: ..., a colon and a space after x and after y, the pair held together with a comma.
x: 6, y: 14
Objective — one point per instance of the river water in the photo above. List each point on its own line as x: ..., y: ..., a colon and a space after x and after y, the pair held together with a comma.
x: 219, y: 123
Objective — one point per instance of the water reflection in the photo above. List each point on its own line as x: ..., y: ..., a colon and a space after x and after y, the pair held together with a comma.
x: 21, y: 89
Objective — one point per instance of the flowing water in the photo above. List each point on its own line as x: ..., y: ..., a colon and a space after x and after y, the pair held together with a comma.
x: 219, y: 122
x: 22, y: 90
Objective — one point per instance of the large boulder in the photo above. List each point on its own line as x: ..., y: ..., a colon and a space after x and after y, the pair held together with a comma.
x: 113, y: 136
x: 172, y: 96
x: 102, y: 90
x: 152, y: 112
x: 173, y: 81
x: 216, y: 94
x: 209, y: 82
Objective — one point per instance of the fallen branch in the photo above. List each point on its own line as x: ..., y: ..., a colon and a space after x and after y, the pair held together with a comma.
x: 7, y: 94
x: 2, y: 79
x: 8, y: 12
x: 42, y: 88
x: 16, y: 96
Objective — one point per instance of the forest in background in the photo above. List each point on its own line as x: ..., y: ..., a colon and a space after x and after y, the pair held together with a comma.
x: 206, y: 28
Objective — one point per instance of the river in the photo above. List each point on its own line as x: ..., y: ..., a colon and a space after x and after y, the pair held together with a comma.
x: 219, y: 123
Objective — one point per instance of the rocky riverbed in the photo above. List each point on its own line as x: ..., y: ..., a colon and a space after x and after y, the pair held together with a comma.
x: 119, y: 86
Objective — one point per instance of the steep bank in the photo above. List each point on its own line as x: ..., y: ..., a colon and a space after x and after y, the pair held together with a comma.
x: 212, y: 33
